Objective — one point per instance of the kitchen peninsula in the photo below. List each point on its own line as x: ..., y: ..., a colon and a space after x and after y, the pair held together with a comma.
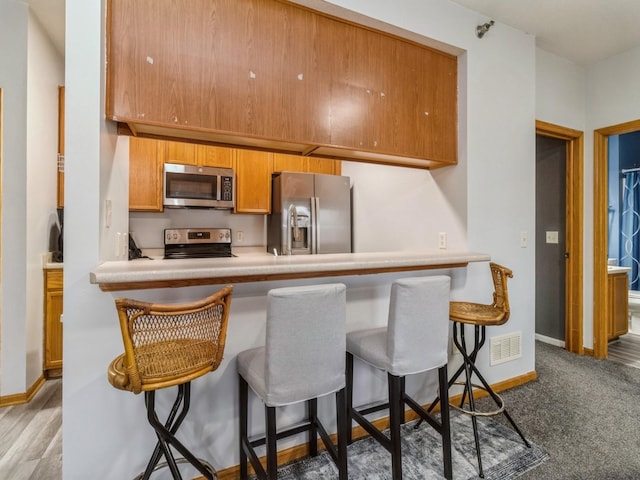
x: 144, y: 273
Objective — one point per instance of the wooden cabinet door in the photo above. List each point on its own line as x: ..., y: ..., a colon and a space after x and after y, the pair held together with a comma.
x: 181, y: 153
x: 52, y: 362
x: 618, y: 285
x: 273, y: 72
x: 290, y: 163
x: 297, y: 163
x: 253, y: 181
x: 146, y: 160
x: 323, y: 165
x: 210, y: 156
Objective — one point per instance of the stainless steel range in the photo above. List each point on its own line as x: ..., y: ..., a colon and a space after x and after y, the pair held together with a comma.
x: 197, y: 242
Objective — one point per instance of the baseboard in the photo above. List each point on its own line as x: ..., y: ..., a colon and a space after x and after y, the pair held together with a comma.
x: 20, y: 398
x: 301, y: 451
x: 550, y: 341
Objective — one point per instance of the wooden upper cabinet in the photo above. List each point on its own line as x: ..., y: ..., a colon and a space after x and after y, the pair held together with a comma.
x: 210, y: 156
x: 146, y: 160
x: 253, y: 181
x: 290, y: 163
x: 278, y: 76
x: 322, y: 165
x: 297, y: 163
x: 200, y: 155
x: 181, y: 152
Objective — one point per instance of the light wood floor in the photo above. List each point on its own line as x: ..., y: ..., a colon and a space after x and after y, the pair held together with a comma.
x: 31, y: 436
x: 626, y: 349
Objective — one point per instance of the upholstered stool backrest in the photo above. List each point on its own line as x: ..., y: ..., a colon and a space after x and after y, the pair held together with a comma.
x: 418, y: 327
x: 305, y: 343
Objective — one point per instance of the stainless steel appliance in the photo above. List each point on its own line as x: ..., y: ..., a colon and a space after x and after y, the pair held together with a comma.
x: 197, y: 242
x: 310, y: 213
x: 201, y: 187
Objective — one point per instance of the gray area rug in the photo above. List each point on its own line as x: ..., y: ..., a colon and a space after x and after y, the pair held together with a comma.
x: 504, y: 455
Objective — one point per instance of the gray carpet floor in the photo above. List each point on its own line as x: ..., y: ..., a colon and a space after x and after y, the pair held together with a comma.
x: 584, y: 412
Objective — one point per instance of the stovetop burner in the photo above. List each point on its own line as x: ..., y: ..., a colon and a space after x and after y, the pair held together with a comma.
x: 197, y: 243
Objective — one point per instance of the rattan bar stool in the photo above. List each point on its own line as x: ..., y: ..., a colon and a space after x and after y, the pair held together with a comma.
x: 480, y: 316
x: 168, y: 345
x: 303, y: 359
x: 415, y: 340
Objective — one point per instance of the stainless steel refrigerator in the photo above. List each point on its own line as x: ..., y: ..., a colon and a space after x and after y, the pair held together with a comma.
x: 310, y: 213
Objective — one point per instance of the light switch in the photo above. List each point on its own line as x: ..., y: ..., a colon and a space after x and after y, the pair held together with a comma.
x: 524, y: 239
x: 552, y: 237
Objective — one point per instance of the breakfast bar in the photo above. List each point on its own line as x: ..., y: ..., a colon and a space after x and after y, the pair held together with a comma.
x: 256, y: 267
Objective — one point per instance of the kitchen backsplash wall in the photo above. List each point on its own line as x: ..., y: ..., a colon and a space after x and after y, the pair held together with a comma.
x: 147, y: 228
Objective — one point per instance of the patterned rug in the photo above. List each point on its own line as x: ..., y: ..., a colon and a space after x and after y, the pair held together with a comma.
x: 504, y: 455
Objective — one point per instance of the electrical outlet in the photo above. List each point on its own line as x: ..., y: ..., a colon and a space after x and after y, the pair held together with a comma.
x: 442, y: 240
x: 239, y: 236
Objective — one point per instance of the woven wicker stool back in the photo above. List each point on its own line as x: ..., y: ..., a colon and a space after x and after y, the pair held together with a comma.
x: 166, y: 344
x: 495, y: 313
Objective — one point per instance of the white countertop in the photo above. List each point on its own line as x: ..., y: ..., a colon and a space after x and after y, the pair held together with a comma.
x: 617, y: 269
x: 252, y: 265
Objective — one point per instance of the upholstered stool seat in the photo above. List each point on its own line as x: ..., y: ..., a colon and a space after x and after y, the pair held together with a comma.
x: 303, y: 359
x: 415, y: 340
x: 170, y: 345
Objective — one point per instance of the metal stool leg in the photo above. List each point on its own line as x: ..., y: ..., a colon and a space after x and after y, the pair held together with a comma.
x: 469, y: 391
x: 166, y: 436
x: 471, y: 369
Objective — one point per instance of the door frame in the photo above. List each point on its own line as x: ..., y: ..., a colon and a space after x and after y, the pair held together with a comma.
x: 601, y: 232
x: 573, y: 230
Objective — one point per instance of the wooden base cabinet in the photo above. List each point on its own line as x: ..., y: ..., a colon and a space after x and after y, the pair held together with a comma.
x: 618, y: 291
x: 52, y: 364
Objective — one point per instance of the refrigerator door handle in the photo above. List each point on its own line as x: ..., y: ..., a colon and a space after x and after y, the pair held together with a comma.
x: 315, y: 228
x: 290, y: 218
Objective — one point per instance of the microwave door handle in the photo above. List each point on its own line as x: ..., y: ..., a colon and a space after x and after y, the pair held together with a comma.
x: 315, y: 227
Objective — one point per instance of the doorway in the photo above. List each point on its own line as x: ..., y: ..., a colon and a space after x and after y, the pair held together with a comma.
x: 573, y: 229
x: 601, y: 231
x: 550, y: 241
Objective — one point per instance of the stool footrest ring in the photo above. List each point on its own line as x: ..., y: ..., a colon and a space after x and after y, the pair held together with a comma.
x: 498, y: 411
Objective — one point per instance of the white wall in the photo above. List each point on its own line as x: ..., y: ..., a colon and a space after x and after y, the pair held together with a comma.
x: 483, y: 204
x: 13, y: 80
x: 30, y: 75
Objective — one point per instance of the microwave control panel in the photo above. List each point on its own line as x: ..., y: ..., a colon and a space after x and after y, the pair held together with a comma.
x: 226, y: 188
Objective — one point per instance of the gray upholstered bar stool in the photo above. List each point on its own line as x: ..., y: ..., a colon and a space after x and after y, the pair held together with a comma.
x: 415, y: 340
x: 303, y: 359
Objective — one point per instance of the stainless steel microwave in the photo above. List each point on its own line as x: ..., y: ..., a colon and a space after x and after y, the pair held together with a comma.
x: 199, y: 187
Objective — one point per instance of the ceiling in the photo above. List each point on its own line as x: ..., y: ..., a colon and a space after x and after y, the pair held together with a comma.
x: 583, y: 31
x: 50, y: 13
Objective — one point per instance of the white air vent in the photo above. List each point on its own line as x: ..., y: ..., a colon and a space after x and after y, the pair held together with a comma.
x: 506, y: 347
